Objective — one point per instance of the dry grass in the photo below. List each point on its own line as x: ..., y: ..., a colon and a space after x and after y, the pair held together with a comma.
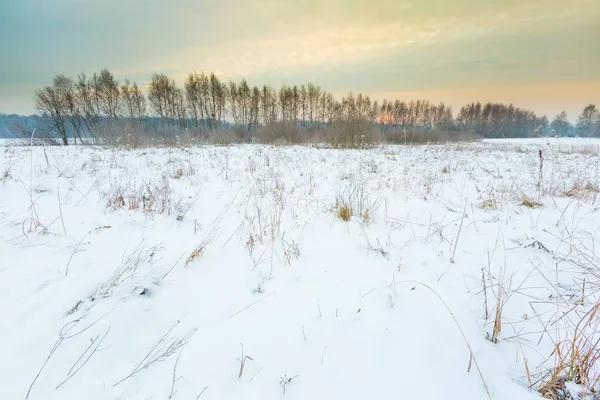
x: 152, y: 198
x: 115, y: 202
x: 195, y: 254
x: 133, y: 204
x: 501, y: 298
x: 592, y: 187
x: 129, y: 267
x: 212, y: 234
x: 576, y: 359
x: 489, y: 204
x: 582, y: 192
x: 345, y: 212
x: 529, y: 202
x: 358, y: 134
x: 282, y: 133
x: 366, y: 216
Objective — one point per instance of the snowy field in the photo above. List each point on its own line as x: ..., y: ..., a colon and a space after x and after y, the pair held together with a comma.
x: 258, y: 272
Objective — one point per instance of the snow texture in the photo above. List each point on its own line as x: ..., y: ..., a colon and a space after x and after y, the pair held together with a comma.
x: 226, y: 273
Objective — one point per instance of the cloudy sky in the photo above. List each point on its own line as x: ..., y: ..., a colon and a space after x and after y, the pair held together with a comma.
x: 538, y: 54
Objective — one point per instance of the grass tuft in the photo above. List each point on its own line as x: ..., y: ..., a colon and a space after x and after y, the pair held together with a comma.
x: 345, y: 212
x: 576, y: 359
x: 529, y: 202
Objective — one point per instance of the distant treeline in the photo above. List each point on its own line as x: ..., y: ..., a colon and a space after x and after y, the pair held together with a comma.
x: 99, y: 108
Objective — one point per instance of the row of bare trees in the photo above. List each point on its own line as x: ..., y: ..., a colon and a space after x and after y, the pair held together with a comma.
x: 84, y: 107
x: 88, y: 107
x: 499, y: 120
x: 76, y: 108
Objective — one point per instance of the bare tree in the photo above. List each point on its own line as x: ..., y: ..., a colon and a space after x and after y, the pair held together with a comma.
x: 587, y: 122
x: 52, y: 102
x: 328, y: 107
x: 560, y: 124
x: 165, y: 98
x: 195, y: 96
x: 294, y: 98
x: 303, y: 104
x: 108, y: 93
x: 254, y: 108
x: 179, y: 108
x: 233, y: 97
x: 244, y: 102
x: 215, y: 103
x: 134, y: 103
x: 268, y: 104
x: 87, y: 102
x: 138, y: 102
x: 285, y: 103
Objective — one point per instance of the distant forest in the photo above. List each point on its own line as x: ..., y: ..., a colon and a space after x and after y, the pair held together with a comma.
x: 99, y: 107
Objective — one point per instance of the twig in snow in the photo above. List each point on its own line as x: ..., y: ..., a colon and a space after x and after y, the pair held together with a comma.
x: 197, y: 397
x: 319, y: 305
x: 323, y: 356
x: 485, y: 386
x: 95, y: 341
x: 256, y: 373
x: 285, y: 381
x: 540, y: 184
x: 247, y: 307
x: 33, y: 211
x: 159, y: 352
x: 79, y: 244
x: 458, y: 236
x: 242, y: 361
x: 171, y: 269
x: 485, y: 300
x: 60, y: 209
x: 366, y: 294
x: 61, y: 337
x: 233, y: 234
x: 64, y: 330
x: 173, y: 392
x: 46, y: 156
x: 54, y: 348
x: 470, y: 363
x: 75, y: 251
x: 379, y: 249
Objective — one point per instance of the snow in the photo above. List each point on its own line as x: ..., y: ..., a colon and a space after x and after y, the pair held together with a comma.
x: 561, y: 141
x: 348, y: 310
x: 8, y: 142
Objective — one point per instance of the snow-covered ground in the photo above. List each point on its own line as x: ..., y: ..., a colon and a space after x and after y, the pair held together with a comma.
x: 564, y: 141
x: 227, y: 272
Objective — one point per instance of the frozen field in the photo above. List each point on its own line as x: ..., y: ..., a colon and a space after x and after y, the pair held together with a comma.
x: 257, y: 272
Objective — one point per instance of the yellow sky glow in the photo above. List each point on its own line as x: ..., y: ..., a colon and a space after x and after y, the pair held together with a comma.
x: 541, y: 54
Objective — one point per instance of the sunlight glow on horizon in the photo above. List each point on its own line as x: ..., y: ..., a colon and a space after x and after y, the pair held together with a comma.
x: 539, y: 54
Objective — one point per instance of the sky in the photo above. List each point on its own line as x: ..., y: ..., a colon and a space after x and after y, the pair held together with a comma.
x: 538, y: 54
